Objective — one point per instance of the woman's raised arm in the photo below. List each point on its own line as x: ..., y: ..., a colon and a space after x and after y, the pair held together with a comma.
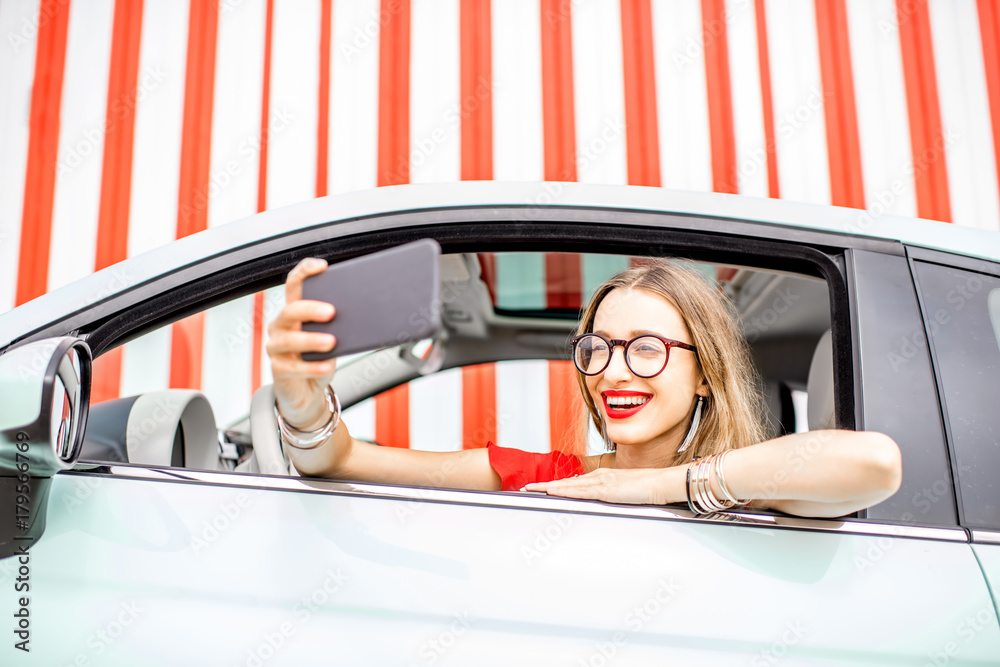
x: 299, y: 388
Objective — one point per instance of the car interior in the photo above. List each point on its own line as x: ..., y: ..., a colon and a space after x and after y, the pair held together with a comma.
x: 493, y: 310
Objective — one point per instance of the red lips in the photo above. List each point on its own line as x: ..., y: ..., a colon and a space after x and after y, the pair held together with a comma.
x: 624, y: 412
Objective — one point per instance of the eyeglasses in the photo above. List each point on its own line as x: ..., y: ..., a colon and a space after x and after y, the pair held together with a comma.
x: 646, y: 355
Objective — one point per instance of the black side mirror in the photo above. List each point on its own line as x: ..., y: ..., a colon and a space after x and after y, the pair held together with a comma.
x: 44, y: 399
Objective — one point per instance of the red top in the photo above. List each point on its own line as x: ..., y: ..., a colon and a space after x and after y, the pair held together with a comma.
x: 517, y: 467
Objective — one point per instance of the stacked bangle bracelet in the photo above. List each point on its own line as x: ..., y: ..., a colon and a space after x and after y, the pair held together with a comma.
x: 700, y: 497
x: 293, y: 437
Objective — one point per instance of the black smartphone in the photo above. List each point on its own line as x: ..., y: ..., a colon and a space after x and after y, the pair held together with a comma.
x: 386, y: 298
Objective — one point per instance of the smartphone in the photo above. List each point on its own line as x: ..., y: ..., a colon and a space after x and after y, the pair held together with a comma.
x: 382, y: 299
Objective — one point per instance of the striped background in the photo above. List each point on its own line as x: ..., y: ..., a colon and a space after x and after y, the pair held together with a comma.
x: 125, y: 124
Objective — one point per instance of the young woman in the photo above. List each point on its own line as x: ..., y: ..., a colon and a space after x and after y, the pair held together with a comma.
x: 665, y: 375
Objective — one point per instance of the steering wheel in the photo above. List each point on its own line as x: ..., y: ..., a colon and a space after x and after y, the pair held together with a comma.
x: 267, y: 449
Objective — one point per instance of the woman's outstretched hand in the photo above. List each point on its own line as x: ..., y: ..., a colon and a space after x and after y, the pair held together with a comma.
x: 634, y: 486
x: 299, y: 384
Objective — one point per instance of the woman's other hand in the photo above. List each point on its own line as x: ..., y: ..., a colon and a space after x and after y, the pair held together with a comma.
x: 299, y: 384
x: 634, y: 486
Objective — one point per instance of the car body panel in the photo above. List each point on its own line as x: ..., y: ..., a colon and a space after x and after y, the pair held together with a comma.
x: 284, y: 576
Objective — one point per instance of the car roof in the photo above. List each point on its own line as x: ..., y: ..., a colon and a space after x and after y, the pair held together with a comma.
x: 477, y: 194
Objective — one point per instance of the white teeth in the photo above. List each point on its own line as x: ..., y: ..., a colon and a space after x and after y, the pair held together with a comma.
x: 619, y: 401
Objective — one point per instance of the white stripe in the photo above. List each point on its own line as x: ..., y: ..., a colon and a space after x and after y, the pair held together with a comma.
x: 274, y: 301
x: 880, y: 97
x: 83, y: 127
x: 748, y: 109
x: 353, y: 146
x: 156, y: 159
x: 800, y: 125
x: 518, y: 149
x: 965, y: 113
x: 681, y: 96
x: 225, y: 365
x: 235, y: 154
x: 146, y: 363
x: 599, y: 93
x: 18, y: 24
x: 360, y: 418
x: 523, y: 405
x: 159, y: 120
x: 436, y: 412
x: 435, y: 111
x: 291, y: 162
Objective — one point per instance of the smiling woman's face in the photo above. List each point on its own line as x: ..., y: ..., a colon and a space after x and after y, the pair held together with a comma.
x: 663, y: 420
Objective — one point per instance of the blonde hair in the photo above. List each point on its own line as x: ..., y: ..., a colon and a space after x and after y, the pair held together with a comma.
x: 733, y: 412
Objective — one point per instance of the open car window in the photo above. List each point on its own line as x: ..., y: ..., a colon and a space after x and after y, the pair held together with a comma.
x: 498, y: 371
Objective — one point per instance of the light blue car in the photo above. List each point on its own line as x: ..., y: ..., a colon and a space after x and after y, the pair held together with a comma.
x: 168, y: 528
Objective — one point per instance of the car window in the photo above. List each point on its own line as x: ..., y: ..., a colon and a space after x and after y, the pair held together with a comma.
x: 962, y: 315
x: 518, y: 390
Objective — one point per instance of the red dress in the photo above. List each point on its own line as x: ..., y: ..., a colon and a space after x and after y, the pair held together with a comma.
x: 517, y: 467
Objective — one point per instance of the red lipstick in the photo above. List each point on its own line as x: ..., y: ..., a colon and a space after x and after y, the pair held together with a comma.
x: 623, y: 411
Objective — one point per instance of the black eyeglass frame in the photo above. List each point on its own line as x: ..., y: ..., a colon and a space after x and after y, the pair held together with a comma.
x: 625, y: 345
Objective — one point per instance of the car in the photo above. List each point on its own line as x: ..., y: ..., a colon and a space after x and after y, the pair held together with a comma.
x: 168, y: 527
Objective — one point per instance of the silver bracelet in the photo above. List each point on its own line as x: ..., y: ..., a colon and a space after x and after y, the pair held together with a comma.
x: 721, y: 479
x: 705, y: 500
x: 298, y: 439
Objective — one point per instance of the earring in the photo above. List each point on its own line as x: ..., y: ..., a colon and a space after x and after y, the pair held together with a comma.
x: 694, y: 425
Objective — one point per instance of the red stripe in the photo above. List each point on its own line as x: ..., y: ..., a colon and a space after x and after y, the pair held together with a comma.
x: 192, y: 198
x: 323, y: 125
x: 43, y: 151
x: 563, y: 280
x: 479, y: 401
x: 641, y: 133
x: 566, y: 413
x: 394, y: 94
x: 257, y: 341
x: 720, y: 101
x: 989, y: 28
x: 843, y: 148
x: 558, y: 118
x: 767, y: 100
x: 562, y: 276
x: 392, y: 417
x: 926, y: 131
x: 116, y: 171
x: 479, y: 389
x: 476, y: 86
x: 392, y: 408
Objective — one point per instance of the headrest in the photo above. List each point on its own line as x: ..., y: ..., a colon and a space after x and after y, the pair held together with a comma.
x: 173, y: 427
x: 820, y: 385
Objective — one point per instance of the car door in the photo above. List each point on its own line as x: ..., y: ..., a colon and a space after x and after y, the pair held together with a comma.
x: 150, y: 563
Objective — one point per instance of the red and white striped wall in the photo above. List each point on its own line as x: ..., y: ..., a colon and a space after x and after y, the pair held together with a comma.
x: 125, y: 124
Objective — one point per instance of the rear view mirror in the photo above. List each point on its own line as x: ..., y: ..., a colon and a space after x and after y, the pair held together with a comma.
x: 44, y: 397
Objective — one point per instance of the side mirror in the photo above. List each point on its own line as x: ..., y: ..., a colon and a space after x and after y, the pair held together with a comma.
x: 44, y: 398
